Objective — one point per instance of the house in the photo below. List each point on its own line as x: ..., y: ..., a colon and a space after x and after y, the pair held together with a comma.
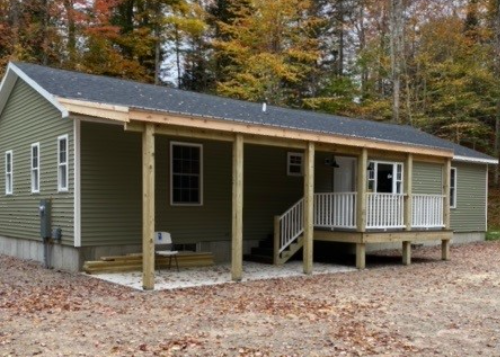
x: 119, y: 160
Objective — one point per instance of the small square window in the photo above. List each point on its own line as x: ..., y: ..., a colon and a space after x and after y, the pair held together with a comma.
x: 295, y: 164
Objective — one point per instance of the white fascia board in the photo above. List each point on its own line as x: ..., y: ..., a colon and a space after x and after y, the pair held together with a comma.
x: 474, y: 160
x: 13, y: 73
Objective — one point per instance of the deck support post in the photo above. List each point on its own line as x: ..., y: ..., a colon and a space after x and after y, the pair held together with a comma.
x: 276, y: 245
x: 148, y: 207
x: 360, y: 255
x: 406, y: 253
x: 237, y: 210
x: 308, y: 208
x: 445, y: 249
x: 361, y: 188
x: 408, y: 183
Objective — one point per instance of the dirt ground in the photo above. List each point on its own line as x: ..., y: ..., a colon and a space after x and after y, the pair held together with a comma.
x: 431, y: 308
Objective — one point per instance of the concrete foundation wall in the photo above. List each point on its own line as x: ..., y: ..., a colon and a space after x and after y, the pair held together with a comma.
x: 59, y: 256
x: 72, y: 259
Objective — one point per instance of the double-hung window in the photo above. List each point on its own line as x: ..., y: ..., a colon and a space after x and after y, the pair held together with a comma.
x: 35, y: 168
x: 186, y: 174
x: 9, y: 173
x: 453, y: 188
x: 62, y: 163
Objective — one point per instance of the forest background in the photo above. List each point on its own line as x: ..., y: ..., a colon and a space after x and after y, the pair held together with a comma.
x: 432, y: 64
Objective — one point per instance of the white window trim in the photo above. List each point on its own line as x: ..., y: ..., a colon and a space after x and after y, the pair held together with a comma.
x: 454, y: 169
x: 178, y: 143
x: 33, y: 169
x: 61, y: 188
x: 9, y: 175
x: 394, y: 175
x: 289, y: 164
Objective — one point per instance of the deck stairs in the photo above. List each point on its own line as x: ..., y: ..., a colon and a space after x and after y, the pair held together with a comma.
x: 264, y: 252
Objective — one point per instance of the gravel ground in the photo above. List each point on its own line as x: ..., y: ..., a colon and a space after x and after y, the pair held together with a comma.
x: 431, y: 308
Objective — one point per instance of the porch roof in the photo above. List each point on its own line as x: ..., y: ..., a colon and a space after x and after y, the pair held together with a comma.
x: 135, y: 95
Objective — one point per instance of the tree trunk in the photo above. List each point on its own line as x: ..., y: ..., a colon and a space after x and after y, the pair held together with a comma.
x: 496, y: 27
x: 396, y: 48
x: 14, y: 23
x: 68, y: 5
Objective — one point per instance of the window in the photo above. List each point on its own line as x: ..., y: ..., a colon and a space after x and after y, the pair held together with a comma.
x: 62, y: 163
x: 453, y: 188
x: 385, y: 177
x: 35, y: 168
x: 9, y: 172
x: 295, y: 164
x: 186, y: 176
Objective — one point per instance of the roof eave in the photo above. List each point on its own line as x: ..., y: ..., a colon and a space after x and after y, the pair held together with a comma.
x: 474, y: 160
x: 9, y: 80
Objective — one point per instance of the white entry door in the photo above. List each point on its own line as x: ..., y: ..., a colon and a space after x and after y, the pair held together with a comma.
x: 344, y: 176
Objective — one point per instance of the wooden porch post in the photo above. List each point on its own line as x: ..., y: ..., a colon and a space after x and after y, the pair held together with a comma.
x: 237, y: 215
x: 408, y: 208
x: 445, y: 244
x: 361, y: 207
x: 408, y: 182
x: 308, y: 207
x: 148, y: 207
x: 361, y: 188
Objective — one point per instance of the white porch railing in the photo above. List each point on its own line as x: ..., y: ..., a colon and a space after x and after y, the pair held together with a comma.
x: 338, y: 210
x: 427, y: 211
x: 335, y: 210
x: 384, y: 210
x: 291, y: 225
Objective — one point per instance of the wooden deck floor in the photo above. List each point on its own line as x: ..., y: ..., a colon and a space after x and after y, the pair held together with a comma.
x: 405, y: 237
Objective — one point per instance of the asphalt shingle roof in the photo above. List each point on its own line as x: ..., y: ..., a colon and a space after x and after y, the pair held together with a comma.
x: 101, y: 89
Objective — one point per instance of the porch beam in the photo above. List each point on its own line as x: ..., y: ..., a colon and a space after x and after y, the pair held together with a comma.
x: 308, y: 207
x: 361, y: 189
x: 237, y: 210
x: 408, y: 183
x: 406, y: 252
x: 446, y: 193
x: 279, y: 132
x: 148, y: 207
x: 194, y: 133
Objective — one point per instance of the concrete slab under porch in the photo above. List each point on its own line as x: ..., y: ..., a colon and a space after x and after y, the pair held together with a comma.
x: 218, y: 274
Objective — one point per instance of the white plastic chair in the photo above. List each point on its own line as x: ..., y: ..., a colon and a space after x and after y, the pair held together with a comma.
x: 163, y: 248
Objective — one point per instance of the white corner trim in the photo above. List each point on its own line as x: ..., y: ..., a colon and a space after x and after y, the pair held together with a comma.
x: 474, y: 160
x: 13, y: 69
x: 77, y: 194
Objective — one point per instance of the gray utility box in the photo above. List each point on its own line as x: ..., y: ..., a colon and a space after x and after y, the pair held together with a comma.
x: 45, y: 218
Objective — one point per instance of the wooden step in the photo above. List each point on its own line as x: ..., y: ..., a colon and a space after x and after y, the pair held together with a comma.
x: 258, y: 258
x: 134, y: 262
x: 263, y: 251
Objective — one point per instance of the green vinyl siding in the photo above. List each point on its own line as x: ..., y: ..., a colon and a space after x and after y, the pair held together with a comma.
x: 427, y: 178
x: 111, y: 184
x: 111, y: 189
x: 470, y: 212
x: 26, y: 119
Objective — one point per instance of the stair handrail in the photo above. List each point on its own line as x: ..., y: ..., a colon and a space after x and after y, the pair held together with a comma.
x: 288, y: 227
